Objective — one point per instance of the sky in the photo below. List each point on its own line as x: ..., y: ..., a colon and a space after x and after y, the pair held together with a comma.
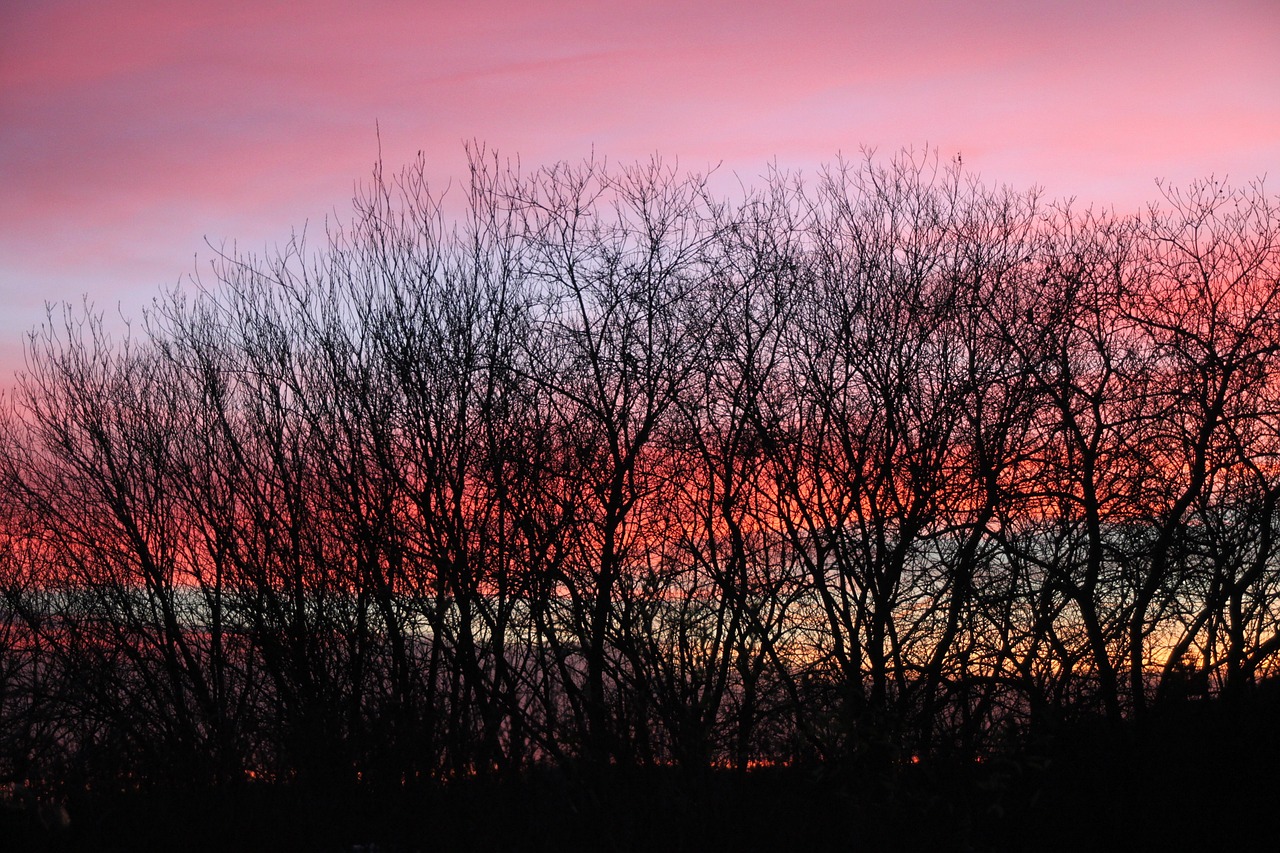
x: 134, y: 135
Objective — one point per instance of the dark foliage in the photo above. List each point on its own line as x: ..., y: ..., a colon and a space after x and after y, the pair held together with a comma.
x: 885, y: 511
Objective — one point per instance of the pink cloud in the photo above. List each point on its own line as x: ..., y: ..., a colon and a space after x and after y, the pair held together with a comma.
x: 129, y: 131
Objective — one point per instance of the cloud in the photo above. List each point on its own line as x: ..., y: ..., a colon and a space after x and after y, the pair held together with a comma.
x: 129, y: 131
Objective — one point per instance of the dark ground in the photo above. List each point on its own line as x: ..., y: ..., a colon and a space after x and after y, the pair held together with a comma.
x: 1203, y: 777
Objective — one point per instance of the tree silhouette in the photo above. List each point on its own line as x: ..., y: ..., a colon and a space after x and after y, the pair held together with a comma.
x: 612, y: 472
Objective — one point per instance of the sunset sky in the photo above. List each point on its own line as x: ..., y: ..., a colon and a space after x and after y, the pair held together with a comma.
x: 131, y: 132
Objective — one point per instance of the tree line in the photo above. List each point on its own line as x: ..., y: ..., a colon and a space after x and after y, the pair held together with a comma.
x: 614, y: 469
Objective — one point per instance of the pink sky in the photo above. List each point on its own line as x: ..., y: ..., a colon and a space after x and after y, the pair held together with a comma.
x: 131, y: 131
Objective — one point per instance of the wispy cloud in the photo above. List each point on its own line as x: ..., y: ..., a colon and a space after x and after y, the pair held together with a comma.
x: 130, y: 130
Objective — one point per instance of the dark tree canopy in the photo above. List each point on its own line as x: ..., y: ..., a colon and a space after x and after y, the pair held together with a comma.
x: 612, y: 470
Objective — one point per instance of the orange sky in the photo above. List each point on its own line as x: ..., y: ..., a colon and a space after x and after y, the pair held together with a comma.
x: 131, y: 131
